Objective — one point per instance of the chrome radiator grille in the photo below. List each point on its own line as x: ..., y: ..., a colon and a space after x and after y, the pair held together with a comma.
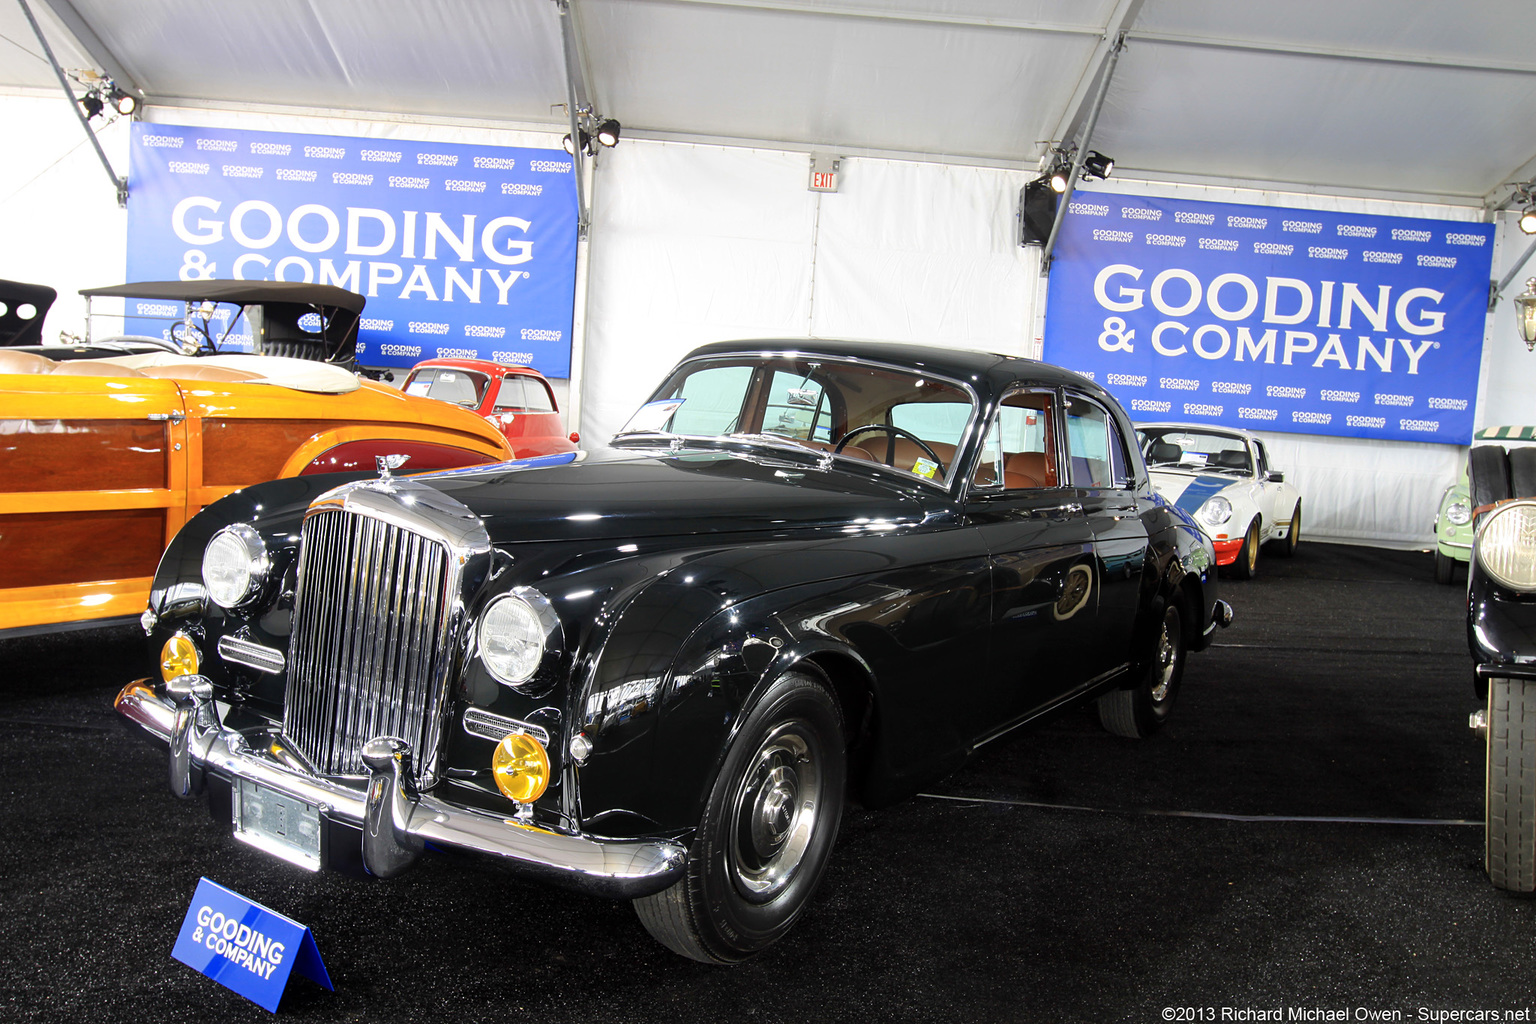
x: 370, y: 646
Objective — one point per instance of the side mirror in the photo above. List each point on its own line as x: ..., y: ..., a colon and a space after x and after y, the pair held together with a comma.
x: 1274, y: 477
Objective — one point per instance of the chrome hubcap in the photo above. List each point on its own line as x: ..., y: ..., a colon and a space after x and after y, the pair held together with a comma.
x: 1163, y: 665
x: 774, y: 814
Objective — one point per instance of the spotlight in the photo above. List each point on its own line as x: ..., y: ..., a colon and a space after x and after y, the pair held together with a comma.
x: 1528, y: 220
x: 91, y: 104
x: 1097, y: 165
x: 586, y: 142
x: 608, y: 132
x: 123, y: 101
x: 1058, y: 178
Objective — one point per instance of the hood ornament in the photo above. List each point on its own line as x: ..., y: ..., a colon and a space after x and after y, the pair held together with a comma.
x: 386, y: 463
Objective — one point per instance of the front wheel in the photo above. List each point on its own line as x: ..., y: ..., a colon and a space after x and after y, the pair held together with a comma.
x: 1445, y: 567
x: 1247, y: 564
x: 1509, y: 801
x: 1140, y: 712
x: 767, y: 831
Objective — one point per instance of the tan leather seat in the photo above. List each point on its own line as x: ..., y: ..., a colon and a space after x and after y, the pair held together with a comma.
x: 200, y: 371
x: 1030, y: 469
x: 907, y: 452
x: 12, y: 361
x: 92, y: 368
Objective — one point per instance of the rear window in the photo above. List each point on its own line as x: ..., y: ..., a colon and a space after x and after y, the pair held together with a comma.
x: 523, y: 394
x: 461, y: 387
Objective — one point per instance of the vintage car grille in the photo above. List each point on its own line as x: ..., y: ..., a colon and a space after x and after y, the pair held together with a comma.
x: 372, y: 626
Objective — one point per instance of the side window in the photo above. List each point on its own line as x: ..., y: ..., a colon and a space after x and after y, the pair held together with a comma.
x: 1263, y: 465
x: 523, y: 394
x: 1020, y: 446
x: 1094, y: 444
x: 711, y: 400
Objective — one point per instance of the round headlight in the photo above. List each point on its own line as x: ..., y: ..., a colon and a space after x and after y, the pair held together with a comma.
x: 1459, y: 513
x: 235, y: 565
x: 1506, y: 545
x: 1215, y: 511
x: 512, y: 638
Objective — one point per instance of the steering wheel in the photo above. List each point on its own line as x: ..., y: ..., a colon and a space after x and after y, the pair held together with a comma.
x: 890, y: 448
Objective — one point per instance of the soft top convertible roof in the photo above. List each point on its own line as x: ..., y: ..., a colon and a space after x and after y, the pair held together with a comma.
x: 283, y: 304
x: 247, y: 293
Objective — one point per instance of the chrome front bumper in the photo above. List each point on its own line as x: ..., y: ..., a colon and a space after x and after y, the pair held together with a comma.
x: 396, y: 822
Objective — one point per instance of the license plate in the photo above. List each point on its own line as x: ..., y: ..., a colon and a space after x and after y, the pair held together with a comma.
x: 277, y: 824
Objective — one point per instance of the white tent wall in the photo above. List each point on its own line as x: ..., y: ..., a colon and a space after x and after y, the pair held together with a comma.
x: 60, y: 224
x: 697, y: 243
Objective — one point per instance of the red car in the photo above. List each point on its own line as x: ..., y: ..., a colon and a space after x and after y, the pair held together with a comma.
x: 517, y: 400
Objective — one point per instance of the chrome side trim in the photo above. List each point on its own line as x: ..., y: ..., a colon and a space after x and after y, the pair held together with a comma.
x: 252, y: 655
x: 615, y: 868
x: 488, y: 726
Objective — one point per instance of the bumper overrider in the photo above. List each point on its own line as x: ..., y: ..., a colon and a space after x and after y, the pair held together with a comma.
x: 396, y: 822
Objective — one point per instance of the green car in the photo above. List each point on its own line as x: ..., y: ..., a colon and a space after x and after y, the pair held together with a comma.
x: 1453, y: 523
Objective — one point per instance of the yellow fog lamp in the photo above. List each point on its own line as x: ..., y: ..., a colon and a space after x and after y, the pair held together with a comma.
x: 178, y: 657
x: 520, y: 767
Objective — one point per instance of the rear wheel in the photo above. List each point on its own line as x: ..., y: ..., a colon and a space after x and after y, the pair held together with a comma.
x: 1140, y: 712
x: 1509, y: 802
x: 1287, y: 547
x: 767, y: 831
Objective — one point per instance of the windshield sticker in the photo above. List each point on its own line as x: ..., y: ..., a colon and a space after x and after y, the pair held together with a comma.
x: 419, y: 387
x: 653, y: 415
x: 924, y: 468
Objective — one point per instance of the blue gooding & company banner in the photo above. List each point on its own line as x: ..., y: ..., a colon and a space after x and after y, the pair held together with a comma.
x: 1299, y: 321
x: 461, y: 250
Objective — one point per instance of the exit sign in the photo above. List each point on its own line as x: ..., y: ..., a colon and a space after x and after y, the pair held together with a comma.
x: 824, y: 173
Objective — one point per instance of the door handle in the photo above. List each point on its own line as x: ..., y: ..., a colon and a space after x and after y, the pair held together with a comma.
x: 1069, y: 507
x: 173, y: 417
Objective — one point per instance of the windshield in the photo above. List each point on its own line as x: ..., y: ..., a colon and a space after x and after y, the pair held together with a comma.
x: 460, y: 387
x: 1195, y: 450
x: 898, y: 418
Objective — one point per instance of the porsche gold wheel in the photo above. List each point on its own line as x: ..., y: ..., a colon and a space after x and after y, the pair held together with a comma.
x: 767, y: 833
x: 1247, y: 564
x: 1141, y: 711
x: 1292, y: 535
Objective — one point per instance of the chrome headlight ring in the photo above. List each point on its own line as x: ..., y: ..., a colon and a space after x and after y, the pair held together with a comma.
x: 236, y: 565
x: 1458, y: 512
x: 1505, y: 547
x: 518, y: 640
x: 1216, y: 511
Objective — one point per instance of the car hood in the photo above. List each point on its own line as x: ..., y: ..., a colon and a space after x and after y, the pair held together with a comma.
x: 1186, y: 489
x: 633, y: 493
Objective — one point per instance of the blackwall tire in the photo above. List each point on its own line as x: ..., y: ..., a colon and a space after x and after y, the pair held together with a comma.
x: 1140, y: 712
x: 1445, y: 567
x: 767, y: 832
x: 1509, y: 803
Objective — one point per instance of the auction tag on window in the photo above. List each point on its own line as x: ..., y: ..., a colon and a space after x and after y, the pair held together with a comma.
x: 923, y: 467
x: 245, y: 947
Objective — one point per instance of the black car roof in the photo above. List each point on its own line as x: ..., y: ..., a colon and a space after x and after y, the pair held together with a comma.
x: 961, y: 364
x: 243, y: 292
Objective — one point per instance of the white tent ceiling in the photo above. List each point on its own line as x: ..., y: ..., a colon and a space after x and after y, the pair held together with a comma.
x: 1420, y: 99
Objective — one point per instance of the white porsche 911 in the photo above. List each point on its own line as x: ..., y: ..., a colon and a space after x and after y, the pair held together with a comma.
x: 1222, y: 477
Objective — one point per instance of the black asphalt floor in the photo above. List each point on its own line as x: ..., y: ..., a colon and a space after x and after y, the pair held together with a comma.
x: 1305, y: 835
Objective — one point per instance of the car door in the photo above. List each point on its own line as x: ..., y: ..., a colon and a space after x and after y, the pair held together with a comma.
x: 95, y: 486
x: 1104, y: 483
x: 1041, y: 547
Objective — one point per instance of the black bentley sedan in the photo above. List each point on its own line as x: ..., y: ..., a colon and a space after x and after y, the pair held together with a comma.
x: 805, y: 571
